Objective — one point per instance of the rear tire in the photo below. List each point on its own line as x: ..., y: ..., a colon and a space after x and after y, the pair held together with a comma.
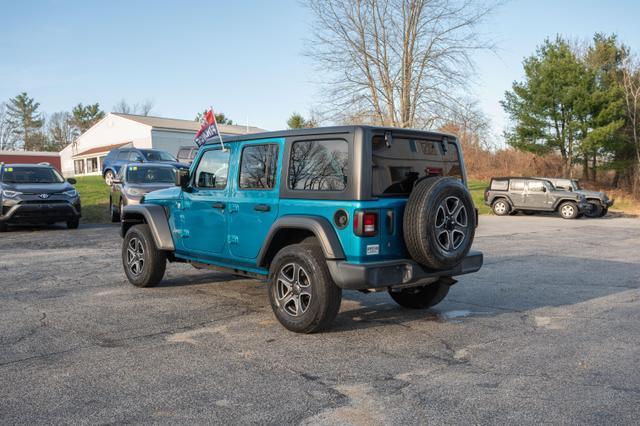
x: 143, y: 263
x: 501, y: 207
x: 568, y: 210
x: 420, y: 297
x: 595, y: 211
x: 303, y: 296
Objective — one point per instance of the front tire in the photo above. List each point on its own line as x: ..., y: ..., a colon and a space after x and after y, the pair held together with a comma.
x: 303, y: 296
x: 73, y: 223
x: 568, y: 210
x: 115, y: 214
x: 604, y: 212
x: 501, y: 207
x: 420, y: 297
x: 143, y: 263
x: 3, y: 227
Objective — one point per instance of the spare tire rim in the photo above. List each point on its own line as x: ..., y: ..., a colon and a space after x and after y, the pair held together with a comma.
x: 293, y: 289
x: 135, y: 256
x: 452, y: 222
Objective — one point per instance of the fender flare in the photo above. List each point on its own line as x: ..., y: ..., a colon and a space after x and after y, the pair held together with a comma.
x: 317, y: 225
x: 506, y: 197
x: 559, y: 201
x: 154, y: 216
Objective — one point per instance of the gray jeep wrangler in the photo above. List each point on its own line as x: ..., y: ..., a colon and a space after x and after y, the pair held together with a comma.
x: 509, y: 195
x: 599, y: 203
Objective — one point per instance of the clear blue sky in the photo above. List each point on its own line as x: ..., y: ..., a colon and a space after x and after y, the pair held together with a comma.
x: 244, y: 57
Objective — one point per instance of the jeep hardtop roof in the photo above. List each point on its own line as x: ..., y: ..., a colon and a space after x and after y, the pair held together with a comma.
x: 330, y: 130
x: 520, y: 177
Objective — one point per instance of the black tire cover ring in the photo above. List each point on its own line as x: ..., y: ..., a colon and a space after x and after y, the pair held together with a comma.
x: 439, y: 222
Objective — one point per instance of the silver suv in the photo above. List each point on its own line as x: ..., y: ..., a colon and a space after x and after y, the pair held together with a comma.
x: 509, y: 195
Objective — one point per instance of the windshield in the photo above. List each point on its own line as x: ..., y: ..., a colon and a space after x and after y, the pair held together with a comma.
x: 149, y: 174
x: 27, y: 174
x: 399, y: 164
x: 158, y: 156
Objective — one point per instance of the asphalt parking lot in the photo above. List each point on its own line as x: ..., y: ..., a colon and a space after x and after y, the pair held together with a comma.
x: 548, y: 331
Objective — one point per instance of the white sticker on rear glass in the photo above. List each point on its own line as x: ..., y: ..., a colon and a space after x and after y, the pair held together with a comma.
x: 373, y: 249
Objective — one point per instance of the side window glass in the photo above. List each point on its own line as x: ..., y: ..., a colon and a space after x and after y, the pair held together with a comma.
x: 123, y: 155
x: 135, y: 156
x: 535, y: 186
x: 318, y: 165
x: 516, y: 185
x: 213, y: 170
x: 258, y: 166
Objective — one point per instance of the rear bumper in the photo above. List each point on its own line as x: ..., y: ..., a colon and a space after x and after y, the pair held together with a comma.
x: 351, y: 276
x: 39, y: 213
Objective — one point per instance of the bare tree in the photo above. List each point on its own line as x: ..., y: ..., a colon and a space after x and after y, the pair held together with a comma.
x: 631, y: 86
x: 396, y: 62
x: 7, y: 130
x: 139, y: 108
x: 60, y: 131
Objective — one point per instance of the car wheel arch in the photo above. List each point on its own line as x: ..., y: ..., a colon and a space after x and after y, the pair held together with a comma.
x: 153, y: 215
x: 296, y: 229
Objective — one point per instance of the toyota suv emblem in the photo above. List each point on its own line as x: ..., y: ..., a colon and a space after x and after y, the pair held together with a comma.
x: 44, y: 196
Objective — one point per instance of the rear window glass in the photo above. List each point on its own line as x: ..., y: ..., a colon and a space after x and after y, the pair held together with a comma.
x: 258, y: 166
x: 318, y: 165
x: 517, y: 185
x: 149, y: 174
x: 398, y: 165
x: 499, y: 185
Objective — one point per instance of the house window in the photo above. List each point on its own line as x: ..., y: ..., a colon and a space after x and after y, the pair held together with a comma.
x: 92, y: 165
x: 78, y: 166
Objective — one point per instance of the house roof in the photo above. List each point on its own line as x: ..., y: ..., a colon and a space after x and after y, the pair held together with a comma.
x: 101, y: 149
x: 188, y: 125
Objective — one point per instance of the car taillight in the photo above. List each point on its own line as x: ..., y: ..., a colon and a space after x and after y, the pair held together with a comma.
x: 486, y: 194
x: 365, y: 224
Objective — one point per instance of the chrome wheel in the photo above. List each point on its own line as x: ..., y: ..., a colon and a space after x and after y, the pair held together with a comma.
x: 293, y: 289
x: 108, y: 178
x: 567, y: 210
x: 452, y: 222
x: 135, y: 256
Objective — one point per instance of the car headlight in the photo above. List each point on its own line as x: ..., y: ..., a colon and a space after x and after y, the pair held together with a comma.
x: 71, y: 193
x: 134, y: 192
x: 10, y: 194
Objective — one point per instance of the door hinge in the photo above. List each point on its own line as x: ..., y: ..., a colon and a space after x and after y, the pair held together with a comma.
x: 232, y: 239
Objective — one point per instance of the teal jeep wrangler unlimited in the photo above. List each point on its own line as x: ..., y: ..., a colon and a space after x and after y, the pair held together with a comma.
x: 314, y: 212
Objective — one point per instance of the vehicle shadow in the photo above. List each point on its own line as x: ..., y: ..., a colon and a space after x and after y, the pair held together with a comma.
x: 203, y: 277
x: 505, y: 284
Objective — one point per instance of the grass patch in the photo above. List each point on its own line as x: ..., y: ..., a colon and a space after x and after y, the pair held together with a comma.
x: 477, y: 187
x: 94, y: 195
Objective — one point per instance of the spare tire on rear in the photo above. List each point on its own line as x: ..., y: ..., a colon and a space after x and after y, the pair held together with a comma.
x: 439, y: 222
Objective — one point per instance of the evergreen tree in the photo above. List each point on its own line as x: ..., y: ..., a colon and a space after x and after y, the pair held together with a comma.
x: 27, y: 122
x: 84, y: 116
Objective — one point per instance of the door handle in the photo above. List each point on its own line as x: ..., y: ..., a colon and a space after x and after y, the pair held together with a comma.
x: 218, y: 205
x: 262, y: 208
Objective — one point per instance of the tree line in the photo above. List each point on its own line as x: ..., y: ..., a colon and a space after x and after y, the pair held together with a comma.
x: 24, y: 126
x: 582, y: 102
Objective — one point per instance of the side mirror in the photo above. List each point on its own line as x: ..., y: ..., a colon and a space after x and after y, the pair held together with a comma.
x: 182, y: 178
x: 72, y: 181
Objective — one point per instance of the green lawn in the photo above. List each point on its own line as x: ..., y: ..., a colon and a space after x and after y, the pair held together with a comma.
x: 94, y: 195
x: 477, y: 188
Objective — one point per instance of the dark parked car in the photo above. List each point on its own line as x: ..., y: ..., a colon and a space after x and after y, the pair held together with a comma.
x: 599, y: 202
x: 122, y: 156
x: 134, y: 181
x: 186, y: 154
x: 36, y: 194
x: 315, y: 212
x: 508, y: 195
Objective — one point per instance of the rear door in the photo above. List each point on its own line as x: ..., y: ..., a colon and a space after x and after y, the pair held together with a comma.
x: 517, y: 189
x: 254, y: 205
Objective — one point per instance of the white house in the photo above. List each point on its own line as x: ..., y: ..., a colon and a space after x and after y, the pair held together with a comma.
x: 85, y: 155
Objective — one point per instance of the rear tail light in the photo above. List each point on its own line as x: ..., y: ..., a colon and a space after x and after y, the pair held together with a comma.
x: 365, y: 224
x: 486, y: 194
